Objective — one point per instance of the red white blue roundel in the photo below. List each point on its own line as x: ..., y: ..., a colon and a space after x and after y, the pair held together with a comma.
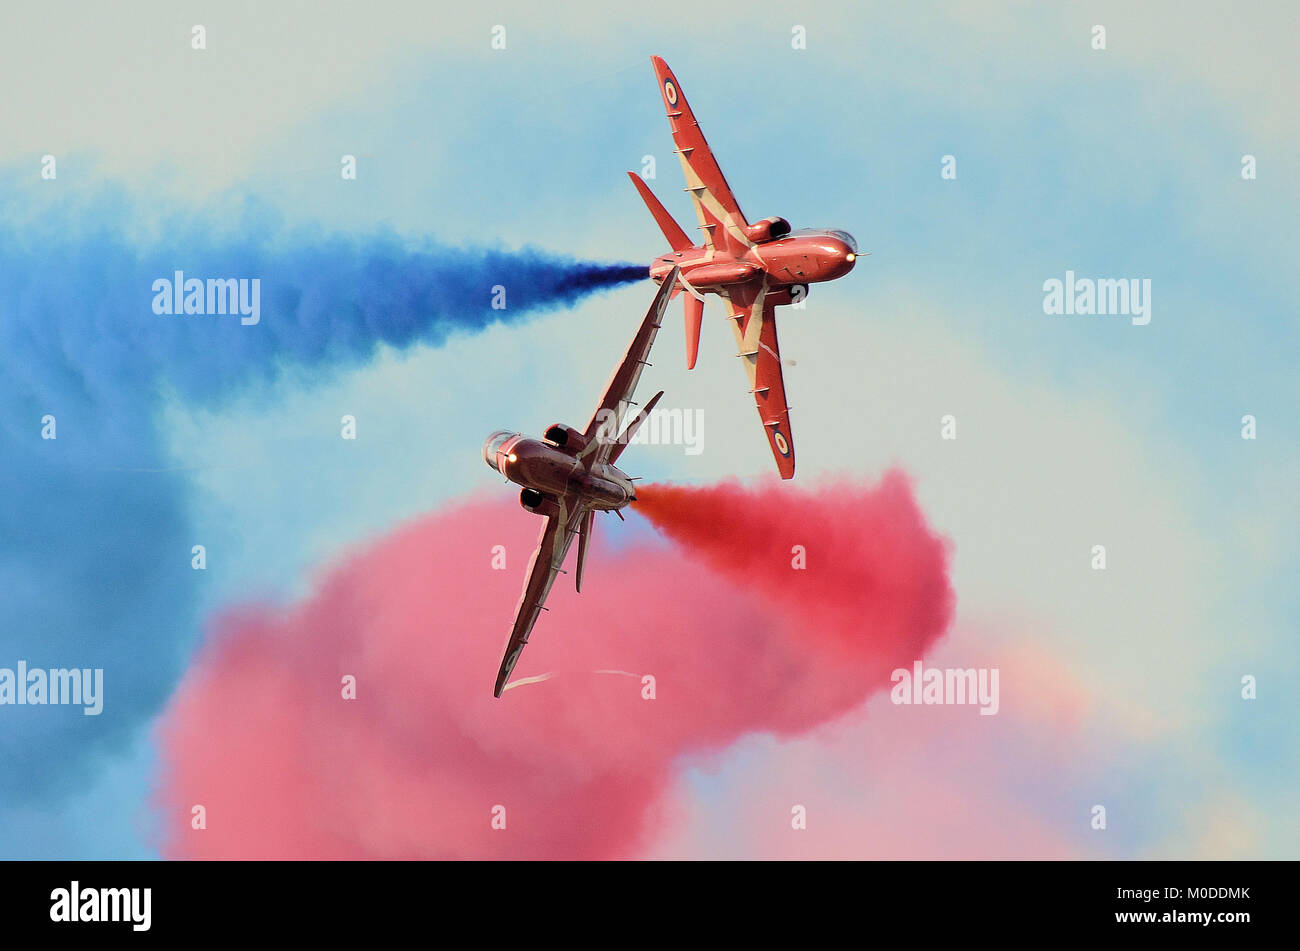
x: 670, y: 92
x: 782, y: 446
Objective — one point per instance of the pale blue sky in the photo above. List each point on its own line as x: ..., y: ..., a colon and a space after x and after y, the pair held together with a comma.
x: 1122, y: 163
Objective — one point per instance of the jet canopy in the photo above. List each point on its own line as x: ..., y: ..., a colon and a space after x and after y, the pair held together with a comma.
x: 842, y: 235
x: 847, y: 239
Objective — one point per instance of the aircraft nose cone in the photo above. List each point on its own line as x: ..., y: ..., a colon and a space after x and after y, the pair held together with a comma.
x: 492, y: 446
x: 842, y: 259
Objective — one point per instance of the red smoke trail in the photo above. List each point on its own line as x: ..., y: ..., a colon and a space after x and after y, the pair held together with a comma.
x: 736, y: 638
x: 867, y: 582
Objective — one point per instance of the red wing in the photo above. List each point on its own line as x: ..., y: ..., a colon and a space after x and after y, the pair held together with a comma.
x: 755, y: 325
x: 721, y: 219
x: 602, y: 432
x: 553, y: 545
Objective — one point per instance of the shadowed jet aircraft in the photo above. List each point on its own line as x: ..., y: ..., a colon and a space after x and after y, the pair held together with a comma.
x: 753, y: 268
x: 569, y: 475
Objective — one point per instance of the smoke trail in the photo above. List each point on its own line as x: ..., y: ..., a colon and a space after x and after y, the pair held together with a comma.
x: 416, y: 765
x: 94, y: 547
x: 829, y: 540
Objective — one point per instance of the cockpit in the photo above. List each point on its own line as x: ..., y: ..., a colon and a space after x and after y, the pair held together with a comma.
x: 492, y: 447
x: 846, y: 238
x: 818, y: 232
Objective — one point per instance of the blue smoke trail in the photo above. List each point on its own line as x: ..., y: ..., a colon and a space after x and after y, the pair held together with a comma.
x: 94, y: 560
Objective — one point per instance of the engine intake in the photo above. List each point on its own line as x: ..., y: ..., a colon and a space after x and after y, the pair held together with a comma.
x: 565, y: 437
x: 769, y: 229
x: 539, y: 503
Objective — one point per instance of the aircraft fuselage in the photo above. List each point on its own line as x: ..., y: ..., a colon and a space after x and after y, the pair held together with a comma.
x: 798, y: 259
x: 552, y: 471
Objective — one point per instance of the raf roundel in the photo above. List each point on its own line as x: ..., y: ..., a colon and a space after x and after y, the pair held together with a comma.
x: 670, y: 92
x: 779, y: 438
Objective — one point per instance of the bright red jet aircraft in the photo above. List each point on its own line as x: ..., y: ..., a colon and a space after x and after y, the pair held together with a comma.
x: 753, y: 268
x: 569, y: 476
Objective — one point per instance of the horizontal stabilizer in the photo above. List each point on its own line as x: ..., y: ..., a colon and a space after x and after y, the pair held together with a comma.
x: 677, y: 239
x: 633, y: 426
x: 584, y: 539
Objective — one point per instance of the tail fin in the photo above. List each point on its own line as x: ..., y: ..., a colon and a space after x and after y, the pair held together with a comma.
x: 677, y: 239
x: 694, y: 317
x: 633, y: 426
